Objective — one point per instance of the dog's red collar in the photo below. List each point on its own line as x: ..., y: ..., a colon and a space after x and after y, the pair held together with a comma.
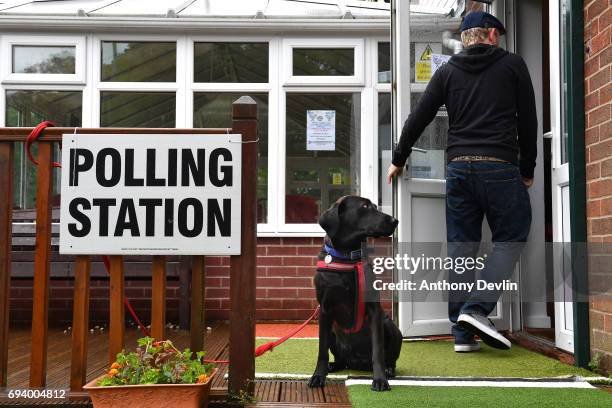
x: 360, y: 306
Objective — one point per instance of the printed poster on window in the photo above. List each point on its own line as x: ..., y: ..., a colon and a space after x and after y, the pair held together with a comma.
x: 422, y: 56
x: 321, y: 130
x: 437, y: 60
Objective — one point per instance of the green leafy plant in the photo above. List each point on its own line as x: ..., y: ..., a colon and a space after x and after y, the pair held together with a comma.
x: 595, y: 362
x: 157, y: 362
x: 242, y: 398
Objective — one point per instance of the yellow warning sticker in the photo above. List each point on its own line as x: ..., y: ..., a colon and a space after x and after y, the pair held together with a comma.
x: 423, y: 55
x: 426, y: 54
x: 422, y: 71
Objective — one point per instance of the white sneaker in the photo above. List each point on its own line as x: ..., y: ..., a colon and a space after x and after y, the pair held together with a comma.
x: 483, y: 327
x: 467, y: 347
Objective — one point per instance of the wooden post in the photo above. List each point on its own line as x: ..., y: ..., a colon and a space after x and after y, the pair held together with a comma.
x: 197, y: 303
x: 6, y: 212
x: 40, y: 294
x: 80, y: 322
x: 116, y: 329
x: 158, y: 298
x: 243, y: 266
x: 184, y: 279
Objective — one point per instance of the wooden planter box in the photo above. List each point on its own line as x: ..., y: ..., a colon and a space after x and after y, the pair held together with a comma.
x: 149, y: 396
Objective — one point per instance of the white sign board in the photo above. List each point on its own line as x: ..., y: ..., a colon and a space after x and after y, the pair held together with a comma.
x: 321, y: 130
x: 150, y: 194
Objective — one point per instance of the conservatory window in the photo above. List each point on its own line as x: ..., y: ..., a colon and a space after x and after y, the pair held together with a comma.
x: 138, y: 109
x: 137, y: 83
x: 52, y: 59
x: 214, y: 109
x: 43, y: 59
x: 323, y: 62
x: 230, y: 62
x: 138, y: 61
x: 223, y: 71
x: 317, y: 174
x: 27, y: 108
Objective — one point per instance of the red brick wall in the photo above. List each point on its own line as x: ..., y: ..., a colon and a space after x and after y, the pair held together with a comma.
x: 598, y: 139
x: 285, y: 268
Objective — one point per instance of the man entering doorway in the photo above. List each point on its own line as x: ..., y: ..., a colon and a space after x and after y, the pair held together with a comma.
x: 491, y: 153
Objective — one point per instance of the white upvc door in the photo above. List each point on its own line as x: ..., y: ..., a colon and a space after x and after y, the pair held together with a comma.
x: 564, y: 332
x: 421, y: 197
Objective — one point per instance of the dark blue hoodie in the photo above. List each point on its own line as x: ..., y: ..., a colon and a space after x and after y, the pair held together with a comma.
x: 491, y: 108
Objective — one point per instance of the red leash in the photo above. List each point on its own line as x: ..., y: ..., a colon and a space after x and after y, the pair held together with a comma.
x: 34, y: 134
x: 126, y: 302
x: 264, y: 348
x: 32, y: 137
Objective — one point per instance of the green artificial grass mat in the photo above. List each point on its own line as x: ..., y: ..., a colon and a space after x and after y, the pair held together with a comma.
x: 406, y: 396
x: 427, y: 358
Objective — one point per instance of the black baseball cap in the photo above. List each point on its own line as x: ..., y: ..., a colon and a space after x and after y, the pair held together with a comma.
x: 482, y: 20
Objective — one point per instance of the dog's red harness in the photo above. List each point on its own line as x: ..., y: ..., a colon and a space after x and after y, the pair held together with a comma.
x: 336, y: 266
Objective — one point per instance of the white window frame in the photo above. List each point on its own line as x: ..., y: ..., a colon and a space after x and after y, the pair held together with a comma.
x: 361, y: 84
x: 46, y: 82
x: 242, y: 87
x: 378, y: 89
x: 20, y: 148
x: 307, y: 229
x: 357, y: 44
x: 177, y: 87
x: 6, y: 64
x: 89, y: 60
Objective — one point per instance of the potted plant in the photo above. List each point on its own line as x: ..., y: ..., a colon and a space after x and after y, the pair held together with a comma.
x: 157, y: 374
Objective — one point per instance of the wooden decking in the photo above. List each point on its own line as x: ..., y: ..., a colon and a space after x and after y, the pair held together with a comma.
x: 268, y: 393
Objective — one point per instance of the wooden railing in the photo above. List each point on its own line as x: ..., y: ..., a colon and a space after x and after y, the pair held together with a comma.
x: 242, y: 267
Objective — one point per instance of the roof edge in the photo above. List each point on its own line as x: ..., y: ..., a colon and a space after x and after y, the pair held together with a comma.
x: 47, y: 23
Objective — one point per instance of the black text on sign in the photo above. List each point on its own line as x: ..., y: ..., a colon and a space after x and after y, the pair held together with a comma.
x: 150, y: 194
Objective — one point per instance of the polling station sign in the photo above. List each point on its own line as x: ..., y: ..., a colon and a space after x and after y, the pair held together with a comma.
x: 150, y: 194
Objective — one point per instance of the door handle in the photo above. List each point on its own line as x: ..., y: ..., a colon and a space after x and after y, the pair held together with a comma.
x: 407, y: 175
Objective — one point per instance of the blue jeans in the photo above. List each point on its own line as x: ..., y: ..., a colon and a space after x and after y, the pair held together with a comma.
x: 475, y: 190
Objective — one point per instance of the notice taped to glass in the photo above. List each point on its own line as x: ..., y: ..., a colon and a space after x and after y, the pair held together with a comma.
x: 150, y: 194
x: 321, y: 130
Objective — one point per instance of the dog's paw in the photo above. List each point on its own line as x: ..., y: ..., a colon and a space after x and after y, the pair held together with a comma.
x: 335, y: 366
x: 317, y: 381
x: 380, y: 384
x: 390, y: 372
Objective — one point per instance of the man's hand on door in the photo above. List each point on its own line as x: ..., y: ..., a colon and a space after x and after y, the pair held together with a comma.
x: 393, y: 172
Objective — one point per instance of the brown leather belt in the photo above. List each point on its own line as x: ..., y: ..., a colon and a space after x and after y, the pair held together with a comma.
x: 478, y: 158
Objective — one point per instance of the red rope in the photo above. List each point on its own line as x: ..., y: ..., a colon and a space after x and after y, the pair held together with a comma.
x: 32, y: 137
x: 34, y: 134
x: 264, y: 348
x: 126, y: 302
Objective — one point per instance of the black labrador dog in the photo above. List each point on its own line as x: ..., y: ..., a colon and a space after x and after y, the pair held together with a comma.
x: 377, y: 345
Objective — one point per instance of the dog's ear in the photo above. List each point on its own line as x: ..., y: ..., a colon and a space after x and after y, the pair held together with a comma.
x: 330, y: 220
